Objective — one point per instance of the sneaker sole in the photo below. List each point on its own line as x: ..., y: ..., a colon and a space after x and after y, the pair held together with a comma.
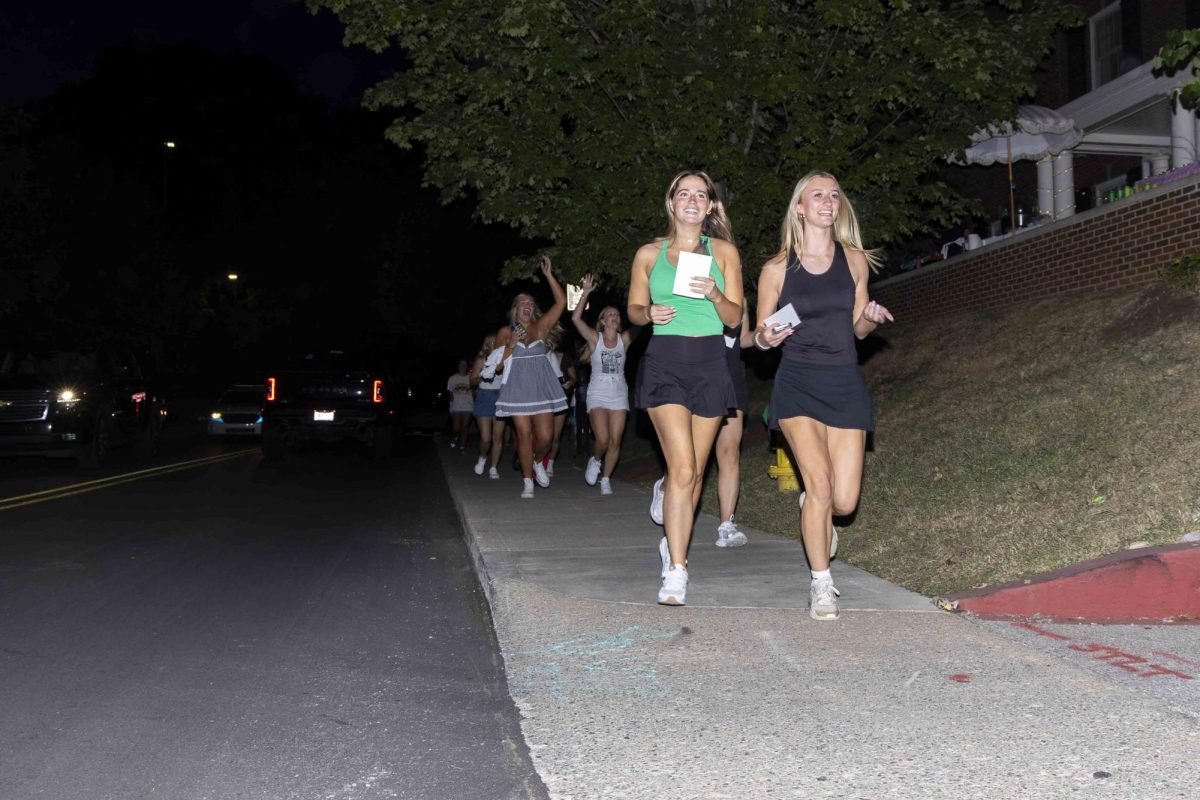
x: 657, y: 518
x: 670, y: 600
x: 824, y: 617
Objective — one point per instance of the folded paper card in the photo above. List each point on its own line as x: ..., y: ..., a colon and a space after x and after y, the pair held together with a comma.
x: 691, y: 266
x: 784, y: 317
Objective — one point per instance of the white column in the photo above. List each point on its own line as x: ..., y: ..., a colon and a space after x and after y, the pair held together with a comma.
x: 1045, y: 184
x: 1160, y: 163
x: 1146, y: 173
x: 1064, y: 185
x: 1183, y: 135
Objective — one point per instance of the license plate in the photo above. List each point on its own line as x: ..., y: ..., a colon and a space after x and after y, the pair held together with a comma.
x: 323, y: 416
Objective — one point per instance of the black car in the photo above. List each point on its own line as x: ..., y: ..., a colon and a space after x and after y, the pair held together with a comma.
x: 77, y: 404
x: 330, y: 396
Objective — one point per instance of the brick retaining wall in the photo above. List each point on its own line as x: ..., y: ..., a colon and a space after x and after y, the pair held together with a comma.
x: 1121, y: 244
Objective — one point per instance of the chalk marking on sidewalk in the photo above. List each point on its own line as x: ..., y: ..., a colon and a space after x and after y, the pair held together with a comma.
x: 1112, y: 656
x: 908, y: 683
x: 1173, y: 657
x: 70, y: 490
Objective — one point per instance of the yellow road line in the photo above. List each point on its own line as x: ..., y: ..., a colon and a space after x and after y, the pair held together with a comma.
x: 17, y: 501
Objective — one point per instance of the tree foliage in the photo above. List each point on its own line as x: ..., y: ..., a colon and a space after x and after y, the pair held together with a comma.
x: 1181, y: 51
x: 567, y: 118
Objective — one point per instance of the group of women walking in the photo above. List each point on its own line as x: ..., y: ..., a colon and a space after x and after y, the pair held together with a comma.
x: 690, y: 379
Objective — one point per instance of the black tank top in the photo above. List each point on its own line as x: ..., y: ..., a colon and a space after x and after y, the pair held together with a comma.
x: 825, y: 305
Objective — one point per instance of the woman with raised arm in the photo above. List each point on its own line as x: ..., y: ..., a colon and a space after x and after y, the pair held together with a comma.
x: 683, y: 380
x: 608, y: 393
x: 530, y: 393
x: 820, y: 400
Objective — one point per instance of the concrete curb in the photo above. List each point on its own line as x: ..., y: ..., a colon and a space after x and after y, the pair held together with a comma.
x: 1148, y: 585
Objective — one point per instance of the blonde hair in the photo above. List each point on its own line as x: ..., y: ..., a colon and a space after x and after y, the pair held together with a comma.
x: 512, y: 310
x: 845, y: 225
x: 601, y: 316
x: 716, y: 222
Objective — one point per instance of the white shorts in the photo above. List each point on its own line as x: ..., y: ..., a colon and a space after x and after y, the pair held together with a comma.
x: 608, y: 391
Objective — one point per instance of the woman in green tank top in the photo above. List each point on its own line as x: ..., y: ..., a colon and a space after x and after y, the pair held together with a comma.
x: 683, y: 381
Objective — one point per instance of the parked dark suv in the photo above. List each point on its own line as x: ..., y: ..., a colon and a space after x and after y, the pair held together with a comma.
x: 330, y: 396
x: 76, y: 403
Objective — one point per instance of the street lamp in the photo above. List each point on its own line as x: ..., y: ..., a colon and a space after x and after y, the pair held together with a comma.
x: 233, y: 276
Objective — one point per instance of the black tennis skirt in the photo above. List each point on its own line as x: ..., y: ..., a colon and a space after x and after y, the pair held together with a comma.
x: 833, y: 394
x: 690, y: 371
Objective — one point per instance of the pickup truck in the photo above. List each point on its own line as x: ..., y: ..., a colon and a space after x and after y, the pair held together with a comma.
x: 329, y: 396
x: 77, y: 403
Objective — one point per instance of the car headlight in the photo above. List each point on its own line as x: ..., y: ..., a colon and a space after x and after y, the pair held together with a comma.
x: 67, y: 396
x: 215, y: 416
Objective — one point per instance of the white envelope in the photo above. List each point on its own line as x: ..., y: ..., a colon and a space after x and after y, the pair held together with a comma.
x: 784, y: 316
x: 691, y: 266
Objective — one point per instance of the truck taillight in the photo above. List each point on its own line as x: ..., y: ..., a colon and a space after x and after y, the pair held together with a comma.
x: 377, y: 392
x: 270, y: 390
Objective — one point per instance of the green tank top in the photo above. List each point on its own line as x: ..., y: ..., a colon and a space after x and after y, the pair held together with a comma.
x: 693, y: 316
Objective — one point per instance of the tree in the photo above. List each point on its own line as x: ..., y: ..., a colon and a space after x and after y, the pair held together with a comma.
x: 1180, y: 52
x: 567, y: 118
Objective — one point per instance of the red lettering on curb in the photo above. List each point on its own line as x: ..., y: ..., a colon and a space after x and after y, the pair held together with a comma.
x: 1041, y: 631
x: 1116, y: 657
x: 1180, y: 659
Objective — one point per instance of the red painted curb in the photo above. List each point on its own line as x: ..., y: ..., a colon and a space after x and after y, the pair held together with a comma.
x: 1150, y: 585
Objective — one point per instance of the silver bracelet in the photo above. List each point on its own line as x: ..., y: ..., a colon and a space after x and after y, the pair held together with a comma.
x: 757, y: 343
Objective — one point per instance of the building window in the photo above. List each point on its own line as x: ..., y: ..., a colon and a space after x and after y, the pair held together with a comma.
x: 1104, y: 32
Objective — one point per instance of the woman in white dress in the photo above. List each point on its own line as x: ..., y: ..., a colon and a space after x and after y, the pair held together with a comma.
x: 608, y: 393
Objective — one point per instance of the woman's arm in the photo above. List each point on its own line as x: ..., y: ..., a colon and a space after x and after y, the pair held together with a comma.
x: 746, y: 337
x: 639, y: 309
x: 770, y: 284
x: 728, y: 302
x: 547, y: 320
x: 476, y: 372
x: 868, y: 315
x: 586, y: 331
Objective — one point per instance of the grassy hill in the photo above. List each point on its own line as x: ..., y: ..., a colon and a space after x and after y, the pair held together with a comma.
x: 1013, y: 441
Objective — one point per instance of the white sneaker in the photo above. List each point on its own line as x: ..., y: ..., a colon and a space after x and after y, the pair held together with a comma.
x: 656, y: 502
x: 833, y: 544
x: 592, y: 471
x: 494, y: 474
x: 664, y: 554
x: 527, y: 492
x: 539, y: 474
x: 674, y: 587
x: 550, y: 468
x: 480, y: 464
x: 728, y: 535
x: 605, y: 486
x: 822, y: 602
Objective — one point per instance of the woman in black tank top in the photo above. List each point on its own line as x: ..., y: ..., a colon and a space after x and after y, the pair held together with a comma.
x: 820, y: 401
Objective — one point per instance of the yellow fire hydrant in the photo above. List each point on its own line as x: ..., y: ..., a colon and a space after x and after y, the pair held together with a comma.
x: 783, y: 473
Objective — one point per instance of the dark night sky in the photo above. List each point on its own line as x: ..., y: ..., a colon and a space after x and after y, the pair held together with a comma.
x: 44, y: 44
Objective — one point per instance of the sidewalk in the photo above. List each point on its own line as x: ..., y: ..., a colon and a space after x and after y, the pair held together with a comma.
x: 740, y: 695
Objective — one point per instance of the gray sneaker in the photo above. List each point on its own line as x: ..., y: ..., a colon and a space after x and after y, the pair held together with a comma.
x: 591, y: 471
x: 728, y: 535
x: 664, y: 554
x: 656, y: 502
x: 822, y: 600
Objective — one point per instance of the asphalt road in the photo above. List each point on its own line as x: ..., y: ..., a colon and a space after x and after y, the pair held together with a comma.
x: 238, y: 629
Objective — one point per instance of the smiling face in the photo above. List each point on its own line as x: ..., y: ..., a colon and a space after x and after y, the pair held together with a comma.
x: 609, y: 320
x: 819, y: 202
x: 691, y: 201
x: 524, y: 309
